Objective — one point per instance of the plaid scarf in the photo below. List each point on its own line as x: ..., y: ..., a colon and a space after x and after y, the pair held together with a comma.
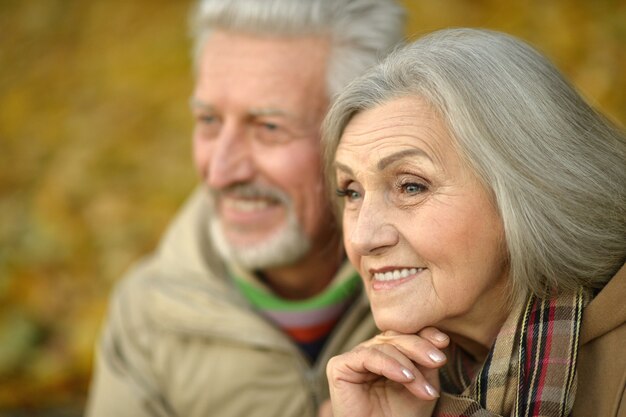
x: 529, y: 371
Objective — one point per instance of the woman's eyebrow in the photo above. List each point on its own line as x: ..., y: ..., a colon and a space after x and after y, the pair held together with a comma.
x: 383, y: 163
x: 344, y: 168
x: 401, y: 154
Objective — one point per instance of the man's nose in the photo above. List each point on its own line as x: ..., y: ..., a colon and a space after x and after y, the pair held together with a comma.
x: 373, y: 232
x: 231, y: 161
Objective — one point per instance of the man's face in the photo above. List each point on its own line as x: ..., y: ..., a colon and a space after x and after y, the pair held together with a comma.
x: 258, y: 104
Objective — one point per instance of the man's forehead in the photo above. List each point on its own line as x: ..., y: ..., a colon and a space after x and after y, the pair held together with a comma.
x: 244, y: 40
x: 263, y: 77
x: 268, y: 62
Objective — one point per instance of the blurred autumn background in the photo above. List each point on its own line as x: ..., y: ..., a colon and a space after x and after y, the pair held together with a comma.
x: 94, y: 156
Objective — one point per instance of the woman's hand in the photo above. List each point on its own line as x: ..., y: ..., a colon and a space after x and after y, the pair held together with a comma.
x: 391, y: 375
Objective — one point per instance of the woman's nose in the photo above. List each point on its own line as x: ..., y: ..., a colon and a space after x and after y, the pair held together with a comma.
x: 372, y: 232
x: 231, y: 161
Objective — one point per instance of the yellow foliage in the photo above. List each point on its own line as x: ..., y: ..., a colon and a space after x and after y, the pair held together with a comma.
x: 94, y: 153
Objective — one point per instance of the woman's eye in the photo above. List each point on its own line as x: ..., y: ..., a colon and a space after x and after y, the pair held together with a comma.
x: 270, y: 126
x: 348, y: 193
x: 413, y: 188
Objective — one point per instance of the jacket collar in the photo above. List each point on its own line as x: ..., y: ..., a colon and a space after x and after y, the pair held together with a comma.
x: 607, y: 310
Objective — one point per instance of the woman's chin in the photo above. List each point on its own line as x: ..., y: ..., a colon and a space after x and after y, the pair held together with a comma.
x: 399, y: 324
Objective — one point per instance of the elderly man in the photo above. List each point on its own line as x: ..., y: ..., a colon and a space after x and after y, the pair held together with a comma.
x: 249, y: 293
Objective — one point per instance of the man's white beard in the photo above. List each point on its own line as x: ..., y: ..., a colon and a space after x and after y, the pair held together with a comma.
x: 285, y: 246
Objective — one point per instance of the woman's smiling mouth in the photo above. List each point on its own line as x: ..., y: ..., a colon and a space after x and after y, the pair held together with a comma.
x: 393, y: 277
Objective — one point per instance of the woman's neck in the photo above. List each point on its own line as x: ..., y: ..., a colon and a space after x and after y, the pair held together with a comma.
x: 476, y: 331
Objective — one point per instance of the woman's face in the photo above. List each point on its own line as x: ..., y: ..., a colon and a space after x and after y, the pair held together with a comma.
x: 418, y: 225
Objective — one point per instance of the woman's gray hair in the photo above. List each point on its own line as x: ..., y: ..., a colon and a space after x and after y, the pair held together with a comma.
x: 361, y: 31
x: 555, y: 167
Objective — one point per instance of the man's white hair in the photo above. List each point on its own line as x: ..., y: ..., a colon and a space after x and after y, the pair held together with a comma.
x: 360, y: 31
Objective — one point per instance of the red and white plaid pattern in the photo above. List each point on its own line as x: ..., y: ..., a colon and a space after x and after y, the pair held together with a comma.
x: 530, y: 370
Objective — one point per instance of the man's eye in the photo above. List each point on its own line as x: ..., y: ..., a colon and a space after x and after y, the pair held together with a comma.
x: 271, y: 133
x: 207, y: 119
x: 207, y: 126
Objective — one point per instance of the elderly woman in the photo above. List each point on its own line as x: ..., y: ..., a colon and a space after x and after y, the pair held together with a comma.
x: 483, y: 203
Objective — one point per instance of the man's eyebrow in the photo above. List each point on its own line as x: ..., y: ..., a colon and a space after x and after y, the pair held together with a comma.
x: 399, y: 155
x: 267, y: 111
x: 194, y: 103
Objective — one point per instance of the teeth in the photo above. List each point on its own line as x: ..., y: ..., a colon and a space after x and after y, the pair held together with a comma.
x: 246, y: 204
x: 396, y: 274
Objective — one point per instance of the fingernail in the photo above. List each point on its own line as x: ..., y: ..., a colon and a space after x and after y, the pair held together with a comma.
x: 431, y: 390
x: 436, y: 356
x: 440, y: 337
x: 408, y: 374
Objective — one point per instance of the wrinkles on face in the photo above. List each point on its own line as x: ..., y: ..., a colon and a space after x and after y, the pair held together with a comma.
x: 256, y: 142
x: 412, y: 202
x: 422, y: 132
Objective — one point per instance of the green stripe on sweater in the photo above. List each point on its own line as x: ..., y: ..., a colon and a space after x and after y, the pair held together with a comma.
x: 332, y: 295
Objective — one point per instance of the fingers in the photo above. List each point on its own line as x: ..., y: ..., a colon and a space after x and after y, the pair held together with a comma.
x: 396, y: 357
x: 423, y: 349
x: 392, y: 373
x: 367, y: 364
x: 435, y: 336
